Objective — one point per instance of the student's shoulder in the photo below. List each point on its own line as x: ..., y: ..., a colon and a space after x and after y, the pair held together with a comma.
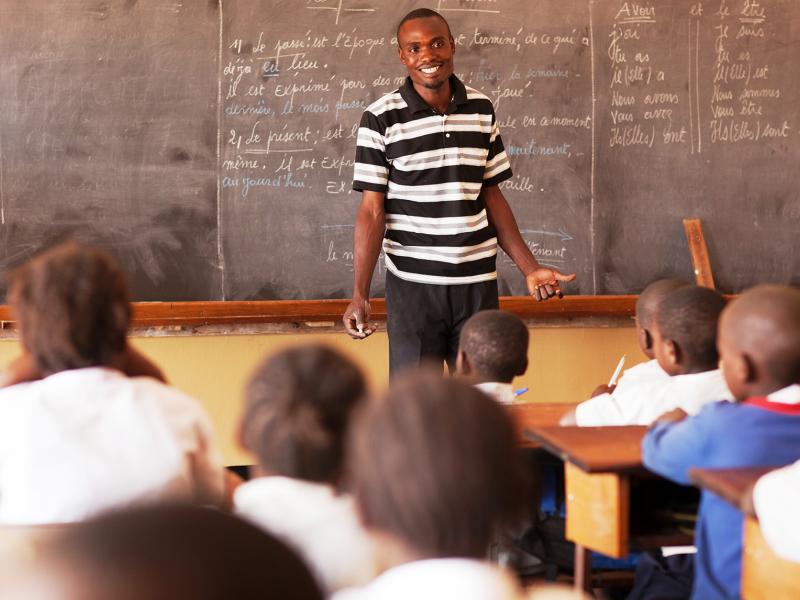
x: 167, y: 398
x: 644, y: 372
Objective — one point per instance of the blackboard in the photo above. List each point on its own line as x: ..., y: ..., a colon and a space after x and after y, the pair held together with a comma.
x: 209, y: 144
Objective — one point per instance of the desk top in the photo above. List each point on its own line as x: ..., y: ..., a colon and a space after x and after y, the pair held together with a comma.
x: 594, y: 449
x: 528, y: 415
x: 729, y: 484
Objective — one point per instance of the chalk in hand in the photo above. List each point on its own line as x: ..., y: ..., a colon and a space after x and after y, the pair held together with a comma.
x: 617, y: 371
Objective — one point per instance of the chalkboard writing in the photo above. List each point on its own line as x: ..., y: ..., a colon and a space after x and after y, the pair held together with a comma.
x: 210, y: 144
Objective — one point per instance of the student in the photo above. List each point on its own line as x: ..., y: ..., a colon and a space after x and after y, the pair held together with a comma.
x: 436, y: 474
x: 776, y: 497
x: 86, y: 438
x: 297, y: 413
x: 492, y: 351
x: 759, y: 346
x: 164, y: 553
x: 683, y: 334
x: 609, y: 404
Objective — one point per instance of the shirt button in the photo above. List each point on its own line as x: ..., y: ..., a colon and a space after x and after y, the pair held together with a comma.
x: 446, y: 135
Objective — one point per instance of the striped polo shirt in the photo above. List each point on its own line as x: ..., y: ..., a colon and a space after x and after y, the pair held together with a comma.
x: 432, y: 168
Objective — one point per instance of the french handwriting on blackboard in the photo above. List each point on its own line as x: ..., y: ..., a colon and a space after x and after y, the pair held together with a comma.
x: 210, y: 145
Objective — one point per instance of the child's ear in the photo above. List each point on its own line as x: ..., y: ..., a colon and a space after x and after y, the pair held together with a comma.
x: 748, y: 373
x: 646, y: 339
x: 462, y: 363
x: 674, y: 354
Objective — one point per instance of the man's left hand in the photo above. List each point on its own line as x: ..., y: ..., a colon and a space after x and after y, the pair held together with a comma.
x: 544, y: 283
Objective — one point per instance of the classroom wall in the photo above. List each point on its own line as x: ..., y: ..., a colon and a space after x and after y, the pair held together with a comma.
x: 567, y: 363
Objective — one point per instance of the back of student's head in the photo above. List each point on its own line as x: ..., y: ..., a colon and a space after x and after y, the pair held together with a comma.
x: 435, y: 466
x: 495, y: 343
x: 688, y: 316
x: 651, y: 297
x: 297, y: 412
x: 761, y: 329
x: 71, y: 303
x: 169, y: 553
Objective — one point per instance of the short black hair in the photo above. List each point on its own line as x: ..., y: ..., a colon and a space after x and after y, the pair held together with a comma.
x: 435, y: 464
x: 72, y: 305
x: 689, y: 316
x: 167, y: 552
x: 297, y: 411
x: 421, y: 13
x: 496, y: 344
x: 765, y: 322
x: 648, y: 301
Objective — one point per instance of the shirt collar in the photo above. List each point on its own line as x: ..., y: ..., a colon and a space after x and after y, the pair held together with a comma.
x: 417, y: 104
x: 786, y: 400
x: 502, y: 392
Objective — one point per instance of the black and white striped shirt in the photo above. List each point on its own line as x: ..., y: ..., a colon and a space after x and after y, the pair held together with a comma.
x: 432, y: 168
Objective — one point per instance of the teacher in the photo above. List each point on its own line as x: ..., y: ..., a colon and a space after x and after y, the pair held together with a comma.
x: 429, y: 159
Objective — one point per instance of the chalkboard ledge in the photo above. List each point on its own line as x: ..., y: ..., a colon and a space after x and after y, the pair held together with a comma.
x: 198, y: 314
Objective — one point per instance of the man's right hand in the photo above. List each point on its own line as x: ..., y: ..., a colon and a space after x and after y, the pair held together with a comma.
x: 356, y: 320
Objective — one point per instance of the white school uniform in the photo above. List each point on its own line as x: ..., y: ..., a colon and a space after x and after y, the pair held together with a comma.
x: 439, y: 579
x: 87, y: 440
x: 320, y: 525
x: 502, y: 392
x: 649, y: 393
x: 776, y: 497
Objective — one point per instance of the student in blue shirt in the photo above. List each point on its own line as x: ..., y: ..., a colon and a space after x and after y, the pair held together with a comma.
x: 759, y: 347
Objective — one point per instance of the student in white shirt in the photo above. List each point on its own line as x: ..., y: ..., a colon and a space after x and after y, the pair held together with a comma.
x: 85, y: 437
x: 775, y: 497
x: 436, y: 474
x: 492, y: 350
x: 608, y: 404
x: 297, y: 413
x: 684, y: 341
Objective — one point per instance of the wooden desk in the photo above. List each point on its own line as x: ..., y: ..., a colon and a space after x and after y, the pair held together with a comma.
x: 599, y: 464
x: 765, y: 576
x: 529, y: 415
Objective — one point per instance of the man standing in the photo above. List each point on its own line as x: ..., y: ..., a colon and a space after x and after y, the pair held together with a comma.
x: 429, y: 159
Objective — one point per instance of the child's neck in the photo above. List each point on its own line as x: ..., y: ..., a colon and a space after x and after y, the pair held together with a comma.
x: 762, y: 389
x: 695, y: 369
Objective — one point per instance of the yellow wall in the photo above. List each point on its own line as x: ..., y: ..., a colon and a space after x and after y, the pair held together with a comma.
x: 566, y: 364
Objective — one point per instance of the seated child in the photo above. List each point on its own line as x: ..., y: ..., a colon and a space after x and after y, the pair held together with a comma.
x: 776, y: 497
x: 759, y: 346
x: 86, y: 438
x: 297, y: 413
x: 163, y: 553
x: 493, y: 349
x: 683, y: 333
x: 611, y: 405
x: 436, y: 474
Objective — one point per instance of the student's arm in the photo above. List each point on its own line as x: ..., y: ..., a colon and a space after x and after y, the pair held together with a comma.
x: 213, y: 483
x: 543, y: 282
x: 599, y: 411
x: 672, y: 448
x: 369, y: 230
x: 569, y: 419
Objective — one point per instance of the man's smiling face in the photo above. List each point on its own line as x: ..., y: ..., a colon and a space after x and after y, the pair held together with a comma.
x: 426, y: 49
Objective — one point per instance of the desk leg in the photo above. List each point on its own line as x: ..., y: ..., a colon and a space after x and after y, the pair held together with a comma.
x: 583, y: 568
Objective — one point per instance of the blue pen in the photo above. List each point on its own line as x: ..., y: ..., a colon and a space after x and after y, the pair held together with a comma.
x: 518, y: 393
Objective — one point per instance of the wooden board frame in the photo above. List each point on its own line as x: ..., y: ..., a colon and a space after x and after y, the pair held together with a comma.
x: 194, y: 314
